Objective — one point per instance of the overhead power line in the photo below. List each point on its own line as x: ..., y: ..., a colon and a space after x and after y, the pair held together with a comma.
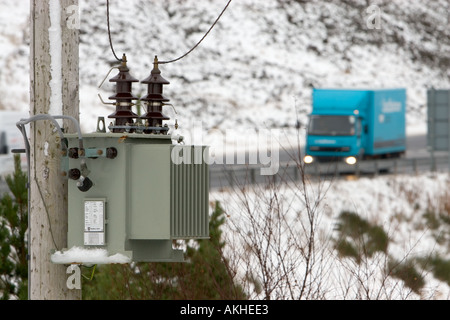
x: 173, y: 60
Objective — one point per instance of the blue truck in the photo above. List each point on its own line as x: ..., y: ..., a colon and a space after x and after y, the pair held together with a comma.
x: 351, y: 125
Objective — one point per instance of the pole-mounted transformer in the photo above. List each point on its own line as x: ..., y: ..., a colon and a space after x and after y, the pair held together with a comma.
x: 138, y: 200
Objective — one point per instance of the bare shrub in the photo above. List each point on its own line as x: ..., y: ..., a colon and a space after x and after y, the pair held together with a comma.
x: 273, y: 239
x: 281, y: 244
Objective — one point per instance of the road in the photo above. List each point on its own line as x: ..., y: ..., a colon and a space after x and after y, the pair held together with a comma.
x: 417, y: 159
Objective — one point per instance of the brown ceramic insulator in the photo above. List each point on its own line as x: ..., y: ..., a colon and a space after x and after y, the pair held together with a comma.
x: 154, y: 98
x: 124, y: 97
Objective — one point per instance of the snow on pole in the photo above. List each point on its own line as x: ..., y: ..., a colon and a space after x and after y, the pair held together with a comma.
x: 55, y: 39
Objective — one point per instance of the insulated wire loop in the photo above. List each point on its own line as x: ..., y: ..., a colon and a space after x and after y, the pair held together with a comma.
x: 109, y: 32
x: 20, y: 124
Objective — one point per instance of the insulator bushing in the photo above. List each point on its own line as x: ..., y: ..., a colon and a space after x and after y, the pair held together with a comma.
x: 154, y: 98
x: 124, y: 97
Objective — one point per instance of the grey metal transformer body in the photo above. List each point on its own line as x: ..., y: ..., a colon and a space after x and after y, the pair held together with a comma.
x: 138, y: 200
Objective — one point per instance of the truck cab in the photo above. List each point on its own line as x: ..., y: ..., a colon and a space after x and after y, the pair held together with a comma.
x: 334, y: 137
x: 350, y: 125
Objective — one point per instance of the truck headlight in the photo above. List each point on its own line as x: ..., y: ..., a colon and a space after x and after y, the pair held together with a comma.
x: 308, y: 159
x: 350, y: 160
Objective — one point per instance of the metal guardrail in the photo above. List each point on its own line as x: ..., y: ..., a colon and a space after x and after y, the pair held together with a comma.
x: 235, y: 175
x: 240, y: 175
x: 380, y: 166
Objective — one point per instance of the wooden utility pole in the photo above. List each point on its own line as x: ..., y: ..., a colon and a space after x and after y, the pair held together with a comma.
x: 54, y: 89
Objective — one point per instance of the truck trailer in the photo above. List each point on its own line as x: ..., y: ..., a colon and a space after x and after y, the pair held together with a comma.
x: 355, y: 124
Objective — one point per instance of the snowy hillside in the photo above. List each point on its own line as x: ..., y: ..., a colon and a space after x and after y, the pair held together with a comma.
x: 14, y: 65
x: 259, y: 57
x: 262, y: 54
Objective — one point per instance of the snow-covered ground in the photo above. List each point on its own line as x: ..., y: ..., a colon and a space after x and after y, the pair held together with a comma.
x: 398, y: 204
x: 255, y: 71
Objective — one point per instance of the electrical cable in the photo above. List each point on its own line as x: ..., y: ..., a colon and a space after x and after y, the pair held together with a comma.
x: 109, y: 32
x: 180, y: 57
x: 39, y: 117
x: 46, y: 211
x: 21, y: 126
x: 201, y: 40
